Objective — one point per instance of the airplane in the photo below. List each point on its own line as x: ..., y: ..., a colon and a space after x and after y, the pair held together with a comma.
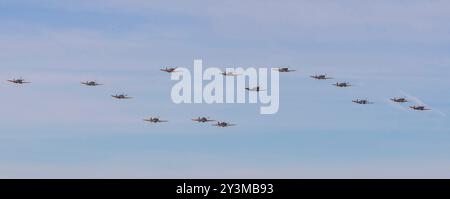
x: 121, y: 96
x: 155, y: 120
x: 229, y: 74
x: 399, y: 100
x: 358, y: 101
x: 18, y: 81
x: 203, y: 119
x: 283, y: 70
x: 169, y: 70
x: 320, y: 77
x: 91, y: 83
x: 223, y: 124
x: 419, y: 108
x: 257, y: 89
x: 343, y: 84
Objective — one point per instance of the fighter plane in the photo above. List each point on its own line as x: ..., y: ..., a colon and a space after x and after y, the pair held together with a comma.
x: 169, y: 70
x: 121, y: 96
x: 229, y: 74
x: 257, y: 89
x: 399, y: 100
x: 203, y: 119
x: 343, y: 84
x: 320, y: 77
x: 154, y: 120
x: 18, y: 81
x: 223, y: 124
x: 283, y: 70
x: 91, y: 83
x: 420, y: 108
x: 358, y: 101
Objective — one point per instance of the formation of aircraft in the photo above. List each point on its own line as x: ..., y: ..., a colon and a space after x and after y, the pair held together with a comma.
x: 155, y: 120
x: 91, y: 83
x: 223, y: 124
x: 256, y: 89
x: 202, y: 119
x: 365, y: 101
x: 284, y: 70
x: 169, y: 69
x: 121, y: 96
x: 18, y: 81
x: 320, y: 77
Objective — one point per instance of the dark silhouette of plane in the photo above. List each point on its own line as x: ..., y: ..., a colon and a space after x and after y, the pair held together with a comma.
x: 419, y: 108
x: 121, y: 96
x: 91, y: 83
x: 284, y: 70
x: 343, y: 84
x: 202, y: 119
x: 320, y: 77
x: 169, y: 70
x: 399, y: 100
x: 223, y: 124
x: 155, y: 120
x: 18, y: 81
x: 257, y: 89
x: 358, y: 101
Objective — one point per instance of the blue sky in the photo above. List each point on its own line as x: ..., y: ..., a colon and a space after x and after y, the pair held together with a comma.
x: 56, y: 128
